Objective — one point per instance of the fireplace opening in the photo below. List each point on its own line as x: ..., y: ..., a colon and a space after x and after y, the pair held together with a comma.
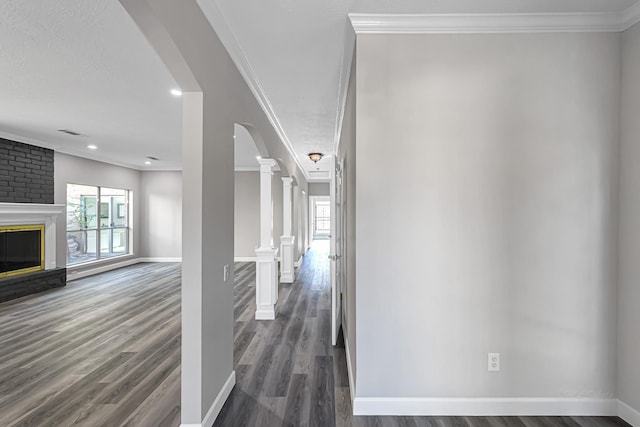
x: 21, y: 249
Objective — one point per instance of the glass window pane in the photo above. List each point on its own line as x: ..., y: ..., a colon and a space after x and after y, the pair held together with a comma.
x: 95, y: 215
x: 119, y: 241
x: 81, y: 207
x: 81, y: 246
x: 113, y: 242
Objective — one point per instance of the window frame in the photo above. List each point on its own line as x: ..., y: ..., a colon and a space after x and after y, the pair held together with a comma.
x: 99, y: 228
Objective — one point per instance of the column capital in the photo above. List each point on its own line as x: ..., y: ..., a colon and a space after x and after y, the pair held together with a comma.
x: 267, y: 165
x: 288, y: 180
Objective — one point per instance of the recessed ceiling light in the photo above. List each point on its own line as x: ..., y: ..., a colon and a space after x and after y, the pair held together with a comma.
x: 92, y: 147
x: 147, y: 162
x: 258, y: 157
x: 176, y: 92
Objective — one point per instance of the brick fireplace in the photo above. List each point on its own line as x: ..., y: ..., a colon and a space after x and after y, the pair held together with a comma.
x: 26, y: 203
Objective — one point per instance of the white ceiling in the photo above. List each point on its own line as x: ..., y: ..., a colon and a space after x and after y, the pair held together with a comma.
x: 83, y: 65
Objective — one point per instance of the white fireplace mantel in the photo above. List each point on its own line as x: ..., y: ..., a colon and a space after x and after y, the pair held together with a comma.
x: 35, y: 213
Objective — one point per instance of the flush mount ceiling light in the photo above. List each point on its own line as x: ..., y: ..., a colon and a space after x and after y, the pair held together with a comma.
x: 315, y: 157
x: 176, y: 92
x: 148, y: 162
x: 92, y: 147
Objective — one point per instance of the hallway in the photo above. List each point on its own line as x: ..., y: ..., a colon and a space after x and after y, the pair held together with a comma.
x: 282, y: 366
x: 105, y: 351
x: 289, y: 374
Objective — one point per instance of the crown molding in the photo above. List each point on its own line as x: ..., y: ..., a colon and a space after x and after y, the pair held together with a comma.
x: 343, y: 85
x: 631, y: 16
x: 494, y: 23
x: 239, y: 57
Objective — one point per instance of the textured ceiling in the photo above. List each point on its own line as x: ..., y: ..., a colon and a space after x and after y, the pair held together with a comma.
x: 83, y: 65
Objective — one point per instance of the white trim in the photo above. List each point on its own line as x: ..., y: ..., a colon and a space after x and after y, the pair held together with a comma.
x: 415, y: 406
x: 276, y: 168
x: 631, y: 16
x: 364, y: 23
x: 352, y: 379
x: 298, y: 263
x: 239, y: 57
x: 245, y: 259
x: 266, y: 314
x: 343, y: 88
x: 160, y: 259
x: 36, y: 214
x: 74, y: 273
x: 217, y: 404
x: 628, y: 414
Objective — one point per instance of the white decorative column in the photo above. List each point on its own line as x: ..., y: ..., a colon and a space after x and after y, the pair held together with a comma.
x: 266, y: 263
x: 287, y: 274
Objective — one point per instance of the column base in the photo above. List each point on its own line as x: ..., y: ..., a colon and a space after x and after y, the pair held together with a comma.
x: 267, y: 313
x: 266, y: 283
x: 287, y: 272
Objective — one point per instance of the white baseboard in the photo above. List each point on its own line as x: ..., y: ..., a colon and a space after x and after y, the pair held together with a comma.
x: 217, y: 404
x: 484, y: 406
x: 628, y: 414
x: 265, y: 314
x: 298, y: 263
x: 79, y: 274
x: 352, y: 379
x: 245, y: 259
x: 86, y: 272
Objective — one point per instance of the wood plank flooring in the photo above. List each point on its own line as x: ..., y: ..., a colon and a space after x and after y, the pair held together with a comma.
x: 289, y: 374
x: 105, y: 351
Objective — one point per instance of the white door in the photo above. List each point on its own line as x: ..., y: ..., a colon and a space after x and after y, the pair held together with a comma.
x: 336, y: 249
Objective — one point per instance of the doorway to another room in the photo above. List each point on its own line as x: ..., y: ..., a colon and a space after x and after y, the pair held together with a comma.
x: 320, y: 217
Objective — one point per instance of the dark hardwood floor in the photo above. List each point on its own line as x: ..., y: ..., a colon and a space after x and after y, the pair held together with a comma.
x: 105, y: 351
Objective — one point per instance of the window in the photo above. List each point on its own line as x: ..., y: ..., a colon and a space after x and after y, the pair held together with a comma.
x: 322, y: 218
x: 97, y: 223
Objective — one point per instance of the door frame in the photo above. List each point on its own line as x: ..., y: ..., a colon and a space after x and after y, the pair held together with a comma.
x: 337, y: 247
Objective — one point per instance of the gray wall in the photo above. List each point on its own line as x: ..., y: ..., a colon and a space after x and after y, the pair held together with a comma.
x: 247, y: 214
x: 347, y: 153
x: 276, y: 189
x: 319, y: 189
x: 76, y: 170
x: 629, y: 228
x: 161, y: 212
x: 494, y: 219
x: 156, y: 202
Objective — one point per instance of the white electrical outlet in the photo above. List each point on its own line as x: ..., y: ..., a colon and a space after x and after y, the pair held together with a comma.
x: 493, y: 362
x: 226, y: 272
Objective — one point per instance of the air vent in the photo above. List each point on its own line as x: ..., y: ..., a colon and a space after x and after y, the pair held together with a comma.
x: 69, y: 132
x: 153, y: 158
